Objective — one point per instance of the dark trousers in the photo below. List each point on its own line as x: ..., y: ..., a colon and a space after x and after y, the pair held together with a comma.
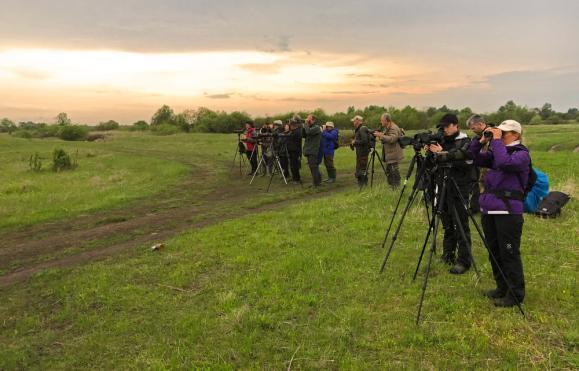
x: 503, y: 236
x: 284, y: 162
x: 252, y: 156
x: 393, y: 175
x: 294, y: 160
x: 361, y: 165
x: 314, y: 169
x: 453, y: 241
x: 329, y: 163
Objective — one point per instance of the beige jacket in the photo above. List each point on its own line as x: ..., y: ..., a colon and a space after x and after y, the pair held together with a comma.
x: 391, y: 150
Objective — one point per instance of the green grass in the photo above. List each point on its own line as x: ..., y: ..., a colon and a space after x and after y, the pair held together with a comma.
x: 301, y: 284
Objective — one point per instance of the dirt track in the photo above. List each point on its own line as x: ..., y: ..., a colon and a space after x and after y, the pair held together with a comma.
x: 142, y: 223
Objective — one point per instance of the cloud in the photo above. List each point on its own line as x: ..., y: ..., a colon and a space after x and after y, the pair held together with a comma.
x: 218, y: 96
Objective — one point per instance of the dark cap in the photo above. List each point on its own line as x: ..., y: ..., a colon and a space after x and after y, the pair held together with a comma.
x: 449, y: 118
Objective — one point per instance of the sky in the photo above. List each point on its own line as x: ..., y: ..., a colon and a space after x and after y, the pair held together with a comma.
x: 123, y: 59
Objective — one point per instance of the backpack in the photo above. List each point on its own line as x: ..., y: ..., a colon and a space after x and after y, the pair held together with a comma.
x: 532, y: 179
x: 550, y: 206
x: 538, y: 192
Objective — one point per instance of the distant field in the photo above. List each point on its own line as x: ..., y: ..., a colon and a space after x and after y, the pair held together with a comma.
x: 297, y: 286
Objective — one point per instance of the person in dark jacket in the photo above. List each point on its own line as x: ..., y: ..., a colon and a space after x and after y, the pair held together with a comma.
x: 462, y: 171
x: 477, y: 124
x: 294, y: 148
x: 501, y: 205
x: 312, y: 134
x: 249, y: 139
x: 361, y: 143
x: 391, y: 151
x: 329, y: 140
x: 281, y: 148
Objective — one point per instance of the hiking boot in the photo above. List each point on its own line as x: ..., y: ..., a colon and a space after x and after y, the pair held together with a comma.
x: 458, y: 269
x: 449, y: 260
x: 505, y: 302
x: 494, y: 294
x: 331, y: 180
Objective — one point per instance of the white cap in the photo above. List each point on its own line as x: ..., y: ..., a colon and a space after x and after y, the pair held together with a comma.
x: 278, y: 122
x: 330, y: 124
x: 511, y: 125
x: 357, y: 117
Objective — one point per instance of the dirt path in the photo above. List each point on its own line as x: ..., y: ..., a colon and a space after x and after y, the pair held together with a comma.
x: 144, y: 222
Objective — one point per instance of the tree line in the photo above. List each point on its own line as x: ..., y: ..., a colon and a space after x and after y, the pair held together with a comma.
x: 165, y: 121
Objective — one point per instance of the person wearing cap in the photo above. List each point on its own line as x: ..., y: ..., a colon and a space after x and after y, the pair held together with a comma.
x: 477, y: 124
x: 312, y: 134
x: 501, y: 206
x: 294, y: 148
x: 361, y: 143
x: 281, y: 142
x: 329, y: 143
x: 391, y: 151
x: 248, y: 137
x: 456, y: 249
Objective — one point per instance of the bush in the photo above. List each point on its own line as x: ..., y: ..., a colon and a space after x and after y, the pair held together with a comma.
x: 73, y: 132
x: 109, y: 125
x: 35, y: 162
x: 165, y: 129
x: 139, y: 126
x: 62, y: 161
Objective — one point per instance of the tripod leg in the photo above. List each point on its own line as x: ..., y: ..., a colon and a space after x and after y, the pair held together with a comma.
x: 492, y: 256
x: 464, y: 238
x: 432, y: 247
x: 430, y: 228
x: 395, y: 235
x: 257, y: 169
x: 408, y: 175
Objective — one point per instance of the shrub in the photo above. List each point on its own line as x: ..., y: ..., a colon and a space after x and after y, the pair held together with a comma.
x: 35, y: 162
x: 165, y: 129
x: 62, y: 161
x: 73, y: 132
x: 109, y: 125
x: 139, y: 126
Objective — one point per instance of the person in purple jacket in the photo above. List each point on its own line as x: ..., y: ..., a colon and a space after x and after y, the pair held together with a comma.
x: 501, y: 205
x: 329, y: 140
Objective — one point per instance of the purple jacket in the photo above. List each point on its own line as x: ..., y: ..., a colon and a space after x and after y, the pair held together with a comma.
x: 507, y: 172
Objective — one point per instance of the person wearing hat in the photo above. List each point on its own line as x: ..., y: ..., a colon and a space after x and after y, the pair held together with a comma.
x: 329, y: 145
x: 456, y: 248
x: 391, y: 151
x: 501, y: 205
x: 312, y: 134
x: 361, y: 143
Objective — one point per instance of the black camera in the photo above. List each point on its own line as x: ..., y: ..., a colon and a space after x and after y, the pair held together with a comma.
x: 420, y: 140
x: 239, y: 131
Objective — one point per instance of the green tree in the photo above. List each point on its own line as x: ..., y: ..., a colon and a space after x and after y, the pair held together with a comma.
x: 164, y: 115
x: 62, y: 119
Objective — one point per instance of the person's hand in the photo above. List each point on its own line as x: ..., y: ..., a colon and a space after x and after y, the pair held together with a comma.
x: 497, y: 133
x: 353, y: 142
x: 243, y: 137
x: 434, y: 148
x: 378, y: 134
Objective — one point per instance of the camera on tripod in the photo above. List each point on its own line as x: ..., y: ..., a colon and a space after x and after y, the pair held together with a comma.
x: 422, y: 139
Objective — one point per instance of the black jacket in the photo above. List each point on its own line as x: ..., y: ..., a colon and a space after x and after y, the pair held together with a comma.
x: 294, y: 141
x: 463, y: 170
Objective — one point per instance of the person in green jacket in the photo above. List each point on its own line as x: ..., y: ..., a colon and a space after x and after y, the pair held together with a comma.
x: 312, y: 134
x: 361, y: 143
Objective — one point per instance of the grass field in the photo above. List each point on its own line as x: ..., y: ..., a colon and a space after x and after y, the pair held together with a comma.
x: 295, y: 287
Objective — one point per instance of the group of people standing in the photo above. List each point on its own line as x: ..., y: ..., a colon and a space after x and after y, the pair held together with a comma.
x: 284, y: 141
x: 490, y: 170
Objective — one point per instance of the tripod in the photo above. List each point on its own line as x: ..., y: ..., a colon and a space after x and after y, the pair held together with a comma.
x: 276, y: 165
x: 239, y: 152
x: 439, y: 203
x: 370, y: 165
